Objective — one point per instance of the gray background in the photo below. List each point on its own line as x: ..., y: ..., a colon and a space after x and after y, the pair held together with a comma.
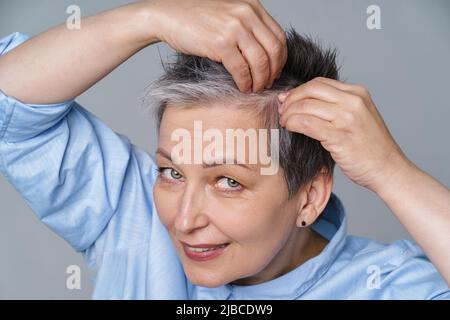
x: 405, y: 65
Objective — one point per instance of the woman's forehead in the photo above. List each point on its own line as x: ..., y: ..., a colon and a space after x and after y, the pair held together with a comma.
x: 217, y: 133
x: 208, y: 119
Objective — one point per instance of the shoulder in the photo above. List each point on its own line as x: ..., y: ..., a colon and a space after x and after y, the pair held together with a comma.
x: 399, y: 270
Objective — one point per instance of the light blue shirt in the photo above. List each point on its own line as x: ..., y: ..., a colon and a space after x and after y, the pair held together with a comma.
x: 93, y: 187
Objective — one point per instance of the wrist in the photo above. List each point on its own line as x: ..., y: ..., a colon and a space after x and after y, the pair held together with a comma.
x: 135, y: 24
x: 149, y: 19
x: 396, y: 176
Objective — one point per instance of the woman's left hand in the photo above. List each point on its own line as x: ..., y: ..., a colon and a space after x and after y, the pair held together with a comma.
x: 345, y: 120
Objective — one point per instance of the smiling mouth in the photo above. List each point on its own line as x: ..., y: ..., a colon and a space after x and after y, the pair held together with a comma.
x: 204, y: 252
x: 200, y: 249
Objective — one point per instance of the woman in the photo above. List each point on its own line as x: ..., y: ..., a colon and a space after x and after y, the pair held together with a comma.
x: 211, y: 229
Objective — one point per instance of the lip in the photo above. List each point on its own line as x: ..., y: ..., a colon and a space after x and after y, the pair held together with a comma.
x: 203, y: 256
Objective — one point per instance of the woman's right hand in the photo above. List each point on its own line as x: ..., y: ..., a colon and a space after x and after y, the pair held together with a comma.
x: 60, y: 64
x: 238, y: 33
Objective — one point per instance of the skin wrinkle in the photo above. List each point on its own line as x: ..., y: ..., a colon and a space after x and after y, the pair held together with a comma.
x: 263, y: 220
x: 260, y: 225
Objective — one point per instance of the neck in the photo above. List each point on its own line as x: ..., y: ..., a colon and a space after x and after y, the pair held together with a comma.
x: 302, y: 245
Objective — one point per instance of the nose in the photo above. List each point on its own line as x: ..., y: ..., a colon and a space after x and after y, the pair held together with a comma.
x: 190, y: 215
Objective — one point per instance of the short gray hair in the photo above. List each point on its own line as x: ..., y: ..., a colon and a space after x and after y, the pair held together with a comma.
x: 196, y: 81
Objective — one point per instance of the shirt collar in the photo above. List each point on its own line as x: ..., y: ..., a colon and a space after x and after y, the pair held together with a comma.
x: 332, y: 225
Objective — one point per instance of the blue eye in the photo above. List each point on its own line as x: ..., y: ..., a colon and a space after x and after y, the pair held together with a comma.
x: 228, y: 183
x: 169, y: 173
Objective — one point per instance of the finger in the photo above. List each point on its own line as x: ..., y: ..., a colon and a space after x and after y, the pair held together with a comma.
x: 238, y: 67
x: 269, y: 20
x: 359, y: 97
x: 272, y: 46
x: 315, y: 90
x: 310, y: 126
x: 351, y: 88
x: 256, y: 58
x: 335, y: 83
x: 318, y: 108
x: 277, y: 30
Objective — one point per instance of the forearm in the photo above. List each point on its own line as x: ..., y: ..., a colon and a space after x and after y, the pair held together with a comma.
x: 422, y: 205
x: 60, y: 64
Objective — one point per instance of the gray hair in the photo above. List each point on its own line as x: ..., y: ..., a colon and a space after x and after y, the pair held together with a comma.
x: 197, y: 81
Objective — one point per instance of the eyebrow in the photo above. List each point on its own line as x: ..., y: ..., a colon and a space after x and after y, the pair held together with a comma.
x: 166, y: 155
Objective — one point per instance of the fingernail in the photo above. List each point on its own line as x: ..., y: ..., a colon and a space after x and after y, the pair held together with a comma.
x: 283, y: 95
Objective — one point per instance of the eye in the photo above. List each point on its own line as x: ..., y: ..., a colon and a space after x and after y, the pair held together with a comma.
x: 169, y: 173
x: 229, y: 184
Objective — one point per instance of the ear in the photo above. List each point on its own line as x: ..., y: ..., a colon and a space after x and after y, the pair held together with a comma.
x: 314, y: 198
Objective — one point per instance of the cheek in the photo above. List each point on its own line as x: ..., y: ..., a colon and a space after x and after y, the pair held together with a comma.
x: 252, y: 223
x: 259, y: 233
x: 265, y: 217
x: 165, y: 205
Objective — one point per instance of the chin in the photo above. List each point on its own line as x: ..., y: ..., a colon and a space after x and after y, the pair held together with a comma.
x: 205, y: 279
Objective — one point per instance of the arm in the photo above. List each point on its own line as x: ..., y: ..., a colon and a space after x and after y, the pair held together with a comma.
x: 39, y: 70
x: 83, y: 57
x: 345, y: 120
x: 422, y: 205
x: 75, y: 173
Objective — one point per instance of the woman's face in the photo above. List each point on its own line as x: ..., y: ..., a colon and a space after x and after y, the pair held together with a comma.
x: 243, y: 218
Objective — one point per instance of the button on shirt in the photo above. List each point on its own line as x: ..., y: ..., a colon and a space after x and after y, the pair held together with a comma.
x: 93, y: 188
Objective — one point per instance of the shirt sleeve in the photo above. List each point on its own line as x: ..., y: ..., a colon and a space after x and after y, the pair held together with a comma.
x: 413, y: 276
x: 74, y: 171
